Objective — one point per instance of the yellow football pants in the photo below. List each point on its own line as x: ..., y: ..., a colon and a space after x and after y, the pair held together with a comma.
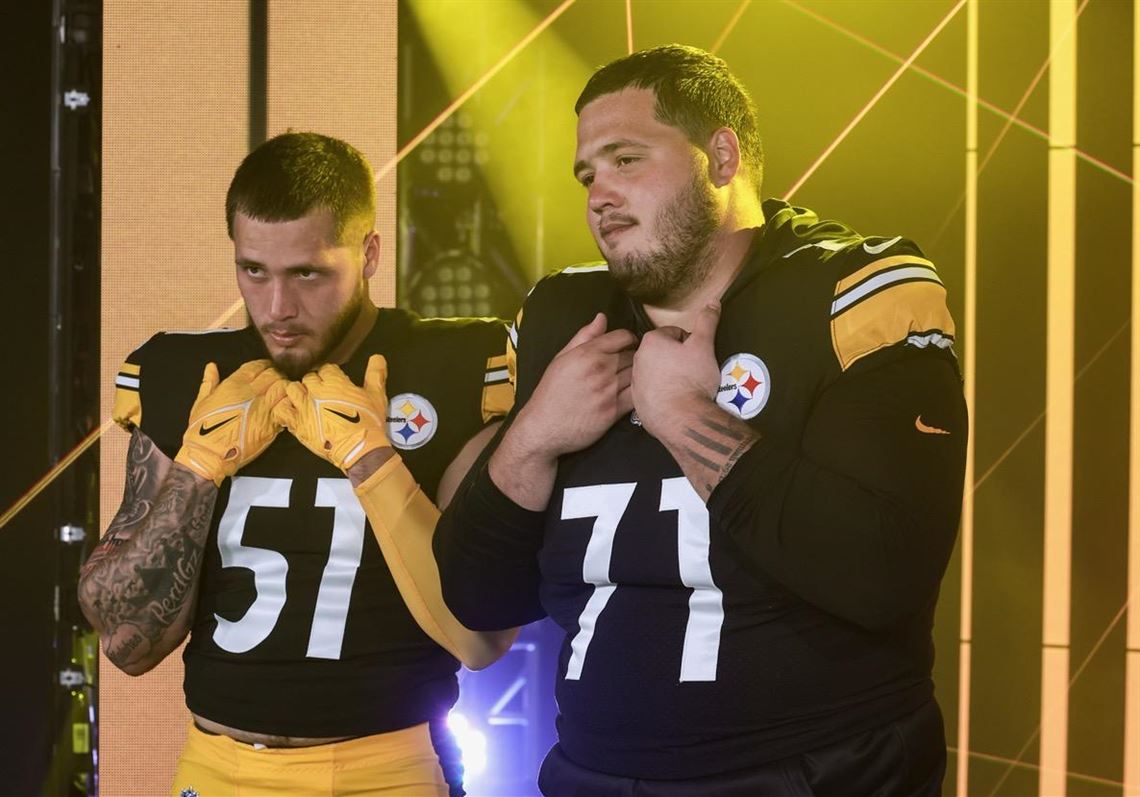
x: 398, y: 764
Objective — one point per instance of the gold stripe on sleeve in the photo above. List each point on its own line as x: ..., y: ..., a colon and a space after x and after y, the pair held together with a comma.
x: 127, y: 409
x: 888, y: 317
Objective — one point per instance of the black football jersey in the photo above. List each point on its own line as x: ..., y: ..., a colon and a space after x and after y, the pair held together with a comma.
x: 299, y: 629
x: 679, y: 659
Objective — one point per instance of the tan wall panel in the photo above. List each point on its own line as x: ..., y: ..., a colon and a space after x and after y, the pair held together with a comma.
x: 175, y: 128
x: 333, y: 71
x: 174, y: 78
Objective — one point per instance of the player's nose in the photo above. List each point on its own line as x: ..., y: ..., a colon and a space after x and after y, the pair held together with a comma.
x: 603, y: 194
x: 282, y: 302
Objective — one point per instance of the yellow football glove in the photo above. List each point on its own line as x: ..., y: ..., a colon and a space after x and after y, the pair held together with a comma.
x: 334, y: 418
x: 231, y: 422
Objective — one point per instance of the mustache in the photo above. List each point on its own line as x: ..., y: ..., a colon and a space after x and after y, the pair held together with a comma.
x: 611, y: 219
x: 283, y: 330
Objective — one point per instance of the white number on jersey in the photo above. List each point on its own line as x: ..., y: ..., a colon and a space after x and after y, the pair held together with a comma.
x: 607, y: 504
x: 270, y: 567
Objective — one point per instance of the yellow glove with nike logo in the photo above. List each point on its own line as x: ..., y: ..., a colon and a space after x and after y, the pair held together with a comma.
x: 334, y: 418
x: 232, y: 421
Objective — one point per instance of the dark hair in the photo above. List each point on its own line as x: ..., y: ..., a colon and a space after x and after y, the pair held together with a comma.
x: 293, y: 174
x: 695, y: 93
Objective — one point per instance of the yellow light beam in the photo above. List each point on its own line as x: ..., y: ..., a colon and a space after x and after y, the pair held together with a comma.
x: 731, y: 24
x: 956, y: 89
x: 875, y: 99
x: 1068, y: 142
x: 1060, y: 311
x: 455, y: 104
x: 969, y: 367
x: 1012, y: 118
x: 629, y: 26
x: 84, y: 444
x: 1033, y: 424
x: 53, y: 473
x: 1131, y: 749
x: 1017, y: 761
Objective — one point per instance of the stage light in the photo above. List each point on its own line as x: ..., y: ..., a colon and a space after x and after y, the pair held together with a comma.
x: 472, y: 744
x: 451, y: 150
x: 458, y: 284
x: 515, y: 135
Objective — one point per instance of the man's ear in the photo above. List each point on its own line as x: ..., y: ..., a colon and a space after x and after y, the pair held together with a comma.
x: 371, y: 253
x: 724, y: 156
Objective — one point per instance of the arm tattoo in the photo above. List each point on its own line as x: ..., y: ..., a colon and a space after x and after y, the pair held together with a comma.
x: 718, y: 446
x: 736, y: 454
x: 139, y: 492
x: 723, y: 428
x: 145, y: 571
x: 707, y: 442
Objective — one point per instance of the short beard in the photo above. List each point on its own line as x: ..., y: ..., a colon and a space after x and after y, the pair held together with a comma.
x: 295, y: 365
x: 682, y: 259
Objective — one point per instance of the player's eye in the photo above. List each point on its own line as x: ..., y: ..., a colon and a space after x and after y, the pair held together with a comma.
x: 625, y: 160
x: 586, y: 179
x: 254, y: 272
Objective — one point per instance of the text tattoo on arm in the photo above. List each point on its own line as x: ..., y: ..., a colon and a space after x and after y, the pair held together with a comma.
x: 141, y: 576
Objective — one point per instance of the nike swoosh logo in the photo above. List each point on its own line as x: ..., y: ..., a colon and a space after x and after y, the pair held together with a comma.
x: 878, y: 248
x: 922, y: 427
x: 350, y: 418
x: 205, y: 430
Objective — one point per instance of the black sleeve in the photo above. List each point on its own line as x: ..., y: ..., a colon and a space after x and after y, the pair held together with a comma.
x: 486, y: 547
x: 859, y: 515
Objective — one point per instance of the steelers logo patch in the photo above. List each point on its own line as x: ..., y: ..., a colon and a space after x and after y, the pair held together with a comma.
x: 412, y: 421
x: 744, y: 385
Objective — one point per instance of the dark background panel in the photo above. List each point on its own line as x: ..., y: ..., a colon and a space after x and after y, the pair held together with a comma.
x: 27, y: 552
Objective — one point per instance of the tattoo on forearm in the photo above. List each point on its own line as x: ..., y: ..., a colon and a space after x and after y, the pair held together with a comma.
x: 736, y: 454
x: 700, y: 459
x: 138, y: 586
x: 718, y: 446
x: 138, y: 493
x: 726, y: 429
x: 707, y: 442
x: 139, y: 483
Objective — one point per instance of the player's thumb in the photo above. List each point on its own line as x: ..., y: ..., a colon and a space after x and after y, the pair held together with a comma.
x: 284, y: 413
x: 209, y: 380
x: 594, y: 329
x: 704, y: 328
x: 376, y: 375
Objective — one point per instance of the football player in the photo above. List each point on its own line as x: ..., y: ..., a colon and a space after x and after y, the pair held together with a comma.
x: 275, y: 505
x: 732, y: 473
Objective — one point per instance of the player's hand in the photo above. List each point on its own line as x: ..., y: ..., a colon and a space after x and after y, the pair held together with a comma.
x: 231, y: 422
x: 336, y: 419
x: 584, y: 390
x: 672, y: 368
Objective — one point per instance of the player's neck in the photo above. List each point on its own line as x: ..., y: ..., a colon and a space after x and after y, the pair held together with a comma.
x: 356, y: 334
x: 729, y: 249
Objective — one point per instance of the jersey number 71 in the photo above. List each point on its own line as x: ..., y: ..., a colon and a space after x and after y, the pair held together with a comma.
x: 607, y: 503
